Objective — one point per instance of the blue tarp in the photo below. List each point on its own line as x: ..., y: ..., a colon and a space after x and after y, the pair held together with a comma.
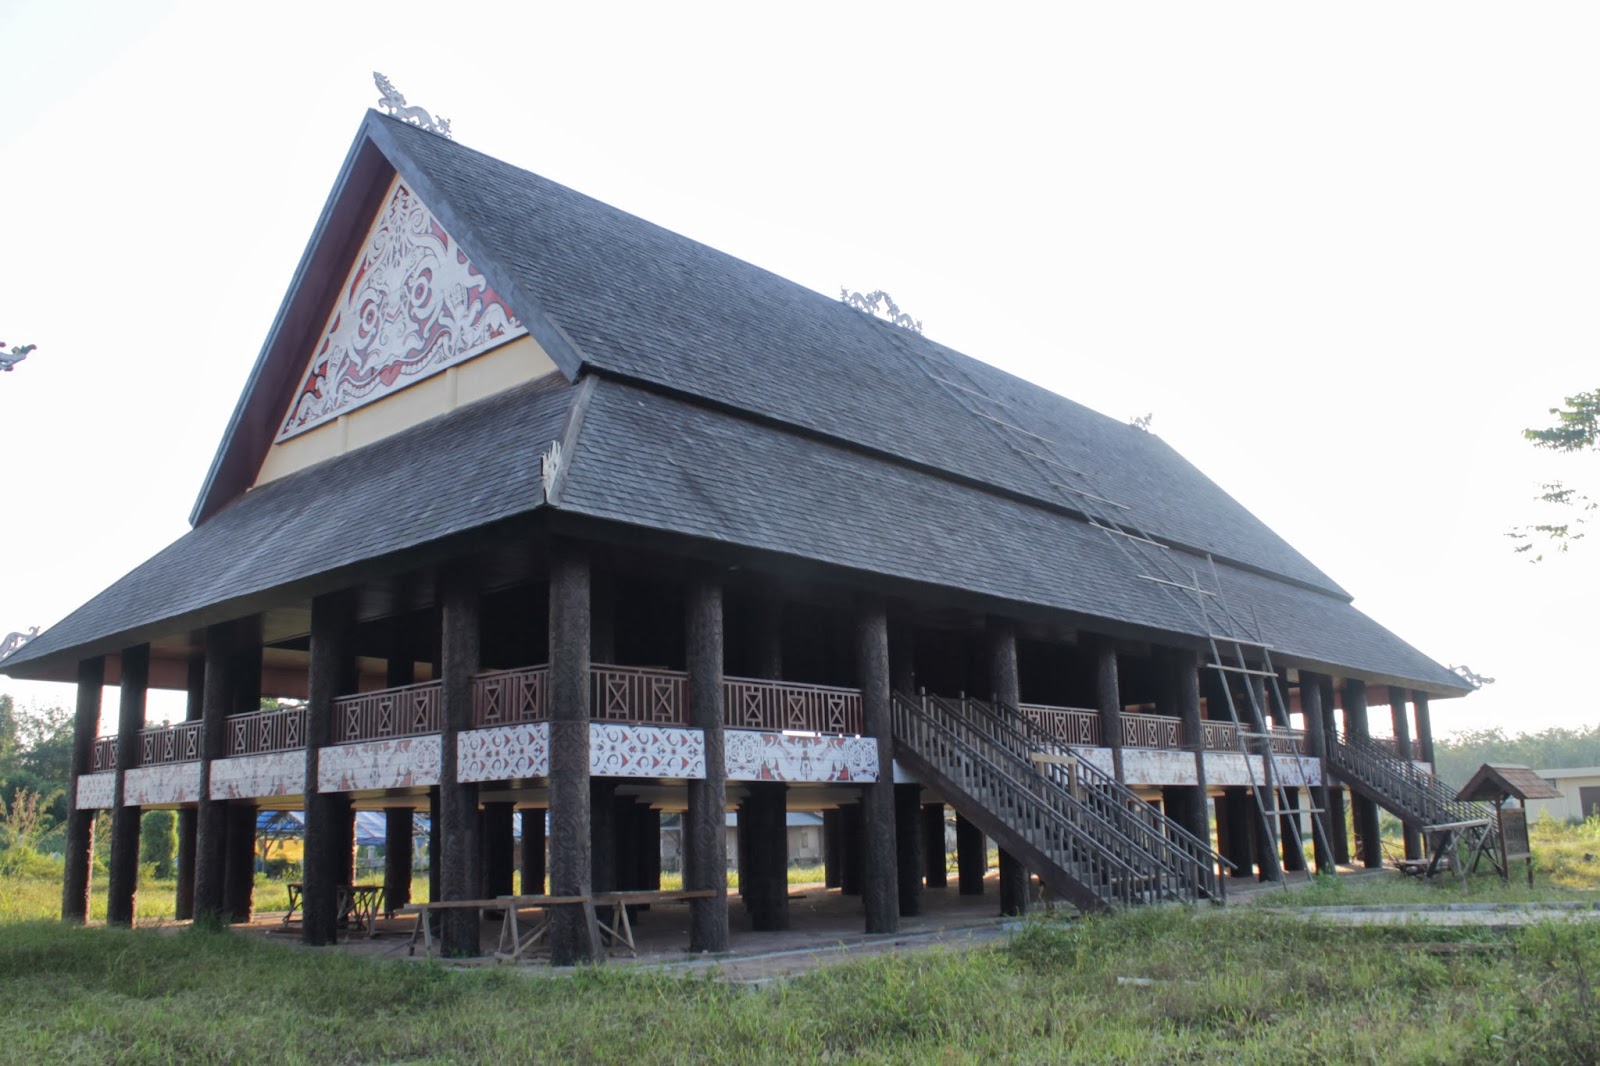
x: 370, y: 825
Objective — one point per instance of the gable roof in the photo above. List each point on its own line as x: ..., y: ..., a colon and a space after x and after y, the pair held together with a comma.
x: 1494, y: 782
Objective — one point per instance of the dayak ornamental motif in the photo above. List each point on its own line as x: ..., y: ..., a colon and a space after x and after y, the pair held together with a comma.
x: 412, y: 306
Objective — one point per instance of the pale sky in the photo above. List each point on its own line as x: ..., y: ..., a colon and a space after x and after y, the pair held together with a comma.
x: 1344, y: 254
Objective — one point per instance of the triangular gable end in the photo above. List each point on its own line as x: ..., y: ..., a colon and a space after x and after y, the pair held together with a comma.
x: 412, y: 307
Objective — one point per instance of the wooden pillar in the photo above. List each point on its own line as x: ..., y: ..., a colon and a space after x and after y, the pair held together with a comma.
x: 397, y: 848
x: 1366, y: 811
x: 832, y: 848
x: 461, y: 874
x: 603, y: 834
x: 972, y: 857
x: 1317, y: 741
x: 648, y: 835
x: 79, y: 859
x: 573, y: 939
x: 533, y: 852
x: 909, y: 862
x: 183, y: 900
x: 1005, y: 689
x: 211, y: 815
x: 498, y: 849
x: 435, y: 858
x: 933, y: 850
x: 1108, y: 699
x: 879, y: 892
x: 705, y: 839
x: 767, y: 897
x: 1181, y: 668
x: 239, y: 859
x: 1338, y: 816
x: 125, y: 819
x: 1402, y: 743
x: 1014, y: 885
x: 323, y: 868
x: 1419, y: 700
x: 850, y: 830
x: 1257, y: 720
x: 1237, y: 811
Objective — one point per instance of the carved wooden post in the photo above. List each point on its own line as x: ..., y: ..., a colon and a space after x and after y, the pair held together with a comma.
x: 705, y: 844
x: 972, y: 858
x: 1338, y: 817
x: 211, y: 814
x: 125, y: 818
x: 573, y: 938
x: 1366, y: 811
x: 1402, y: 743
x: 1424, y: 727
x: 1005, y: 689
x: 1317, y: 741
x: 323, y: 867
x: 533, y: 852
x: 879, y: 894
x: 1108, y: 698
x: 400, y: 670
x: 460, y: 871
x: 183, y: 901
x: 1182, y: 668
x: 933, y: 849
x: 239, y: 851
x: 80, y: 822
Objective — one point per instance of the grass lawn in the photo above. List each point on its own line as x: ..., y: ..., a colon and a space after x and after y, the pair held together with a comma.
x: 1157, y: 985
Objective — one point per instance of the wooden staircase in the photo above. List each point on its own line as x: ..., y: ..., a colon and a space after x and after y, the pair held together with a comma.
x: 1416, y: 797
x: 1090, y: 840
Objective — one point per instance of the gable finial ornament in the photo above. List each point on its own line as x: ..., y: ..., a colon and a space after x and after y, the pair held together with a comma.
x: 394, y: 103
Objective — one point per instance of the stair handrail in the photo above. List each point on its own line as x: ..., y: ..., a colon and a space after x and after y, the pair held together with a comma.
x: 1091, y: 850
x: 1434, y: 803
x: 1115, y: 824
x: 1031, y: 738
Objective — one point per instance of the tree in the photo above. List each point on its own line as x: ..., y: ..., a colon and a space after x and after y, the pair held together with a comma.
x: 158, y: 842
x: 1576, y: 429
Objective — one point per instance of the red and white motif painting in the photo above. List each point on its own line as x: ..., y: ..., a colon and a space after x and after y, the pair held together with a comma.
x: 97, y: 792
x: 503, y: 752
x: 278, y: 773
x: 177, y: 782
x: 412, y: 306
x: 765, y: 756
x: 403, y: 762
x: 617, y: 750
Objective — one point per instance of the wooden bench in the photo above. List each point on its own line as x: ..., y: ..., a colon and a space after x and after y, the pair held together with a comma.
x: 357, y: 903
x: 424, y: 927
x: 514, y: 943
x: 620, y: 928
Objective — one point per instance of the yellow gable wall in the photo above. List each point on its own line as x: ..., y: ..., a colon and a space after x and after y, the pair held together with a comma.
x: 498, y: 369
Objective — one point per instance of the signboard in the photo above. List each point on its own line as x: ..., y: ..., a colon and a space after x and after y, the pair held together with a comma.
x: 1514, y: 834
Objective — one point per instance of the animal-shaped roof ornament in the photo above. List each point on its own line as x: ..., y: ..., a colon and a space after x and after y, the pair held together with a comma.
x: 394, y: 103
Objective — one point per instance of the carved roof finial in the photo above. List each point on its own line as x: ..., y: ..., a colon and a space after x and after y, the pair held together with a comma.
x: 394, y: 102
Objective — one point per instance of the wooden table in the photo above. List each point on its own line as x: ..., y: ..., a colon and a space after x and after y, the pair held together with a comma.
x: 621, y: 928
x: 514, y: 943
x: 360, y: 903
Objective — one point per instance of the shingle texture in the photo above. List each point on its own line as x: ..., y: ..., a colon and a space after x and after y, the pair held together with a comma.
x: 650, y: 304
x: 448, y: 475
x: 651, y: 460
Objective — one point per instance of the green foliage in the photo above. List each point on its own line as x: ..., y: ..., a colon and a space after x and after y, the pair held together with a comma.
x: 1575, y: 430
x: 158, y: 842
x: 35, y: 756
x: 1459, y: 755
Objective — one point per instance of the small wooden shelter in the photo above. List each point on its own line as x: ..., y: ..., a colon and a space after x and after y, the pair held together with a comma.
x: 1496, y: 783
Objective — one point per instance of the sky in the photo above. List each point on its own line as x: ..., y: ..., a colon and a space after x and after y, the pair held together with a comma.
x: 1342, y: 254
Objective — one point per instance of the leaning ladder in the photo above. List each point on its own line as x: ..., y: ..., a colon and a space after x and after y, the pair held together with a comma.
x: 1076, y: 491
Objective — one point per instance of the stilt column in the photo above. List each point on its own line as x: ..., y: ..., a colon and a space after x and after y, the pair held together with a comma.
x: 461, y: 872
x: 1402, y: 744
x: 125, y: 819
x: 972, y: 857
x: 533, y: 852
x: 1365, y: 810
x: 326, y: 832
x: 933, y: 850
x: 1317, y: 739
x: 879, y: 894
x: 80, y: 823
x: 1108, y: 698
x: 211, y: 816
x: 705, y: 841
x: 908, y: 840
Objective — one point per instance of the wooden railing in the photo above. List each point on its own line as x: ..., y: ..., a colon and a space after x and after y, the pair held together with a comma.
x: 407, y: 711
x: 638, y: 694
x: 1288, y: 742
x: 1073, y: 726
x: 1219, y: 736
x: 1150, y: 731
x: 508, y: 696
x: 265, y: 731
x: 169, y: 743
x: 103, y: 756
x: 748, y: 703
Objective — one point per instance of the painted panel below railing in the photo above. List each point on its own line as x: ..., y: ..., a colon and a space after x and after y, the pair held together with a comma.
x: 400, y: 762
x: 161, y: 784
x: 771, y: 756
x: 97, y: 792
x: 276, y: 773
x: 616, y: 749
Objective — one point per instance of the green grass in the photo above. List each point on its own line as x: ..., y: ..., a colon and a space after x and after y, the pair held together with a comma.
x: 1232, y: 986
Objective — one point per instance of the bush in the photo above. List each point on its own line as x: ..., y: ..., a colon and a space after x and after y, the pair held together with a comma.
x: 20, y: 860
x: 158, y: 843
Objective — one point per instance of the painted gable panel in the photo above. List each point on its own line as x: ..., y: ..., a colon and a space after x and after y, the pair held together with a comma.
x: 412, y: 306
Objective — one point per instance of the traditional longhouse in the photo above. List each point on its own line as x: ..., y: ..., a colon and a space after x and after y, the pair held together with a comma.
x: 541, y: 508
